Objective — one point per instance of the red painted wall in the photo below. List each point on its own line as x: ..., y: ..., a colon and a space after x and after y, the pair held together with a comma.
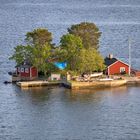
x: 137, y: 73
x: 115, y: 68
x: 24, y: 74
x: 28, y: 73
x: 34, y: 72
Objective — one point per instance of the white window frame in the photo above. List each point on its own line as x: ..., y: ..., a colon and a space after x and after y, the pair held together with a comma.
x: 22, y: 70
x: 122, y: 69
x: 26, y: 70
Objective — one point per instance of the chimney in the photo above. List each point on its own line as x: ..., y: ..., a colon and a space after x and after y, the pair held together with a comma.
x: 110, y: 56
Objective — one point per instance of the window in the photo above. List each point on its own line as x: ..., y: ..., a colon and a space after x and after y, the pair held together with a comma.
x: 22, y: 69
x: 122, y: 69
x: 26, y: 70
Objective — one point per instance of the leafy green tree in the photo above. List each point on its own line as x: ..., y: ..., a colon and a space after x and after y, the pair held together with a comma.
x: 78, y: 48
x: 88, y: 32
x: 37, y: 56
x: 41, y: 40
x: 22, y: 53
x: 40, y: 57
x: 89, y: 60
x: 39, y: 36
x: 70, y: 48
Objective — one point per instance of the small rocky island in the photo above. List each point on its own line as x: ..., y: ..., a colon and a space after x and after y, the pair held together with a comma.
x: 75, y: 62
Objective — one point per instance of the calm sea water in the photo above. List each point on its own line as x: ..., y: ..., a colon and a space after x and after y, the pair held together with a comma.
x: 58, y: 113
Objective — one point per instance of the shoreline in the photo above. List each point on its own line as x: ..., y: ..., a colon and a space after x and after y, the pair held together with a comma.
x: 95, y: 84
x: 82, y: 85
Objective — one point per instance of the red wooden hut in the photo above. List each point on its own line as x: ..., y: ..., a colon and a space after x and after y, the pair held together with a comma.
x: 135, y: 72
x: 26, y: 72
x: 115, y: 66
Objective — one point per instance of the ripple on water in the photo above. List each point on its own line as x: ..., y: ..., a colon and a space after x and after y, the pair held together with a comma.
x: 58, y: 113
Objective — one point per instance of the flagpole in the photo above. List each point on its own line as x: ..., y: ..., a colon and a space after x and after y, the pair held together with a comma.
x: 129, y: 56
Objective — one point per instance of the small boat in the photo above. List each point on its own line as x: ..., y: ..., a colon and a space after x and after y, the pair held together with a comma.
x: 106, y: 79
x: 96, y: 74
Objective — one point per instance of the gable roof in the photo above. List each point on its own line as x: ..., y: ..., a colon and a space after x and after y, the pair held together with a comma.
x: 24, y: 66
x: 109, y: 61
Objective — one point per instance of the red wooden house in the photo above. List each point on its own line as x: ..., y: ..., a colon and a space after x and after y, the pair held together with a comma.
x: 135, y: 72
x: 115, y: 66
x: 26, y: 72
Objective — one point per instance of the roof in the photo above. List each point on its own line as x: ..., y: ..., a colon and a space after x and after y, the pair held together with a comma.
x: 24, y: 66
x: 109, y: 61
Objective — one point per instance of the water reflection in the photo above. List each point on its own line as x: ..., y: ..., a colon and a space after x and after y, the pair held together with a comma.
x: 45, y: 94
x: 59, y: 113
x: 89, y: 95
x: 37, y: 94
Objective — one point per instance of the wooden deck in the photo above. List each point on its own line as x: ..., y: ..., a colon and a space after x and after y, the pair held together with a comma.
x: 37, y: 83
x: 95, y: 84
x: 81, y: 85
